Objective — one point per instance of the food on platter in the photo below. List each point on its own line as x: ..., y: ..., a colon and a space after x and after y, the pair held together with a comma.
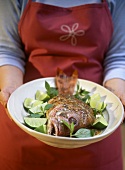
x: 63, y: 111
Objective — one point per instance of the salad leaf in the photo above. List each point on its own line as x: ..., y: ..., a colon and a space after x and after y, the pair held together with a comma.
x: 42, y: 129
x: 51, y: 91
x: 70, y: 126
x: 82, y: 94
x: 83, y: 133
x: 48, y: 106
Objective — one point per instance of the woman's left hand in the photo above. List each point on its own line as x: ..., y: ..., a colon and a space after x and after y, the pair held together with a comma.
x: 117, y: 86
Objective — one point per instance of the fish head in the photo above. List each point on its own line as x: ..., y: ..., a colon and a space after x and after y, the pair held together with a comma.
x: 59, y: 117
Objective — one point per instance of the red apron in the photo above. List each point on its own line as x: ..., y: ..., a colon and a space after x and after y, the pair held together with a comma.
x: 68, y: 38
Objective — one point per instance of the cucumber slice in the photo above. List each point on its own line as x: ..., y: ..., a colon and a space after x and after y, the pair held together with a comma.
x: 100, y: 123
x: 41, y: 96
x: 34, y: 122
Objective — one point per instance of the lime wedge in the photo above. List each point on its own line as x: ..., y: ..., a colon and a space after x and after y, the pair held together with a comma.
x: 36, y: 103
x: 28, y: 103
x: 36, y: 109
x: 34, y: 122
x: 100, y: 123
x: 103, y: 106
x: 41, y: 96
x: 95, y: 96
x: 95, y: 102
x: 98, y: 105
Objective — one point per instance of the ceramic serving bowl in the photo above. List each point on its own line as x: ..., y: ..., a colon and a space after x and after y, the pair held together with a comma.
x: 114, y: 112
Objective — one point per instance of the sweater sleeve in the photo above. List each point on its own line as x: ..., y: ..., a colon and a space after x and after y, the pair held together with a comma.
x: 114, y: 63
x: 11, y: 52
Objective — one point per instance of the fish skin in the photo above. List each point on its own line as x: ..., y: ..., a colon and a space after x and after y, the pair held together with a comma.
x: 66, y: 107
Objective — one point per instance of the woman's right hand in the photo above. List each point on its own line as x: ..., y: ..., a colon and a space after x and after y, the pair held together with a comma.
x: 11, y: 78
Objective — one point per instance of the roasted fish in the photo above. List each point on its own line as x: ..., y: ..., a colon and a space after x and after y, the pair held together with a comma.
x: 67, y: 108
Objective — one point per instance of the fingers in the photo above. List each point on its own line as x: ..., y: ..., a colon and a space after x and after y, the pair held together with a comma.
x: 122, y: 98
x: 117, y: 86
x: 120, y: 94
x: 4, y: 96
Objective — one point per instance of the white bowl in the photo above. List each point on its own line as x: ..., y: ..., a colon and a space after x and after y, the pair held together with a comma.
x: 114, y: 112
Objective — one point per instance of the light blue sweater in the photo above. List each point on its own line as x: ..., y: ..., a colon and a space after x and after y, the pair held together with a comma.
x: 10, y: 44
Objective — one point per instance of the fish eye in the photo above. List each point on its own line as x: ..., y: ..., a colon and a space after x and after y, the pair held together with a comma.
x: 72, y: 119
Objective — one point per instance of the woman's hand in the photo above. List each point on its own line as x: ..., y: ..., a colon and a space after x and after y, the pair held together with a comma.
x: 117, y: 86
x: 11, y: 77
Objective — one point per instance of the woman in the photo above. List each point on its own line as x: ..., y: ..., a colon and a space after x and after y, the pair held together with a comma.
x: 42, y: 35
